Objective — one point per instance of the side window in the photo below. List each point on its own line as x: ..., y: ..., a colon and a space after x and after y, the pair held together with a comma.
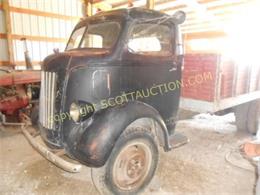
x: 92, y: 41
x: 152, y: 39
x: 101, y: 35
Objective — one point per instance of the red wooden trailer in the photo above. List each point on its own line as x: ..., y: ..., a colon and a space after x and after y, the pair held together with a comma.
x: 232, y: 86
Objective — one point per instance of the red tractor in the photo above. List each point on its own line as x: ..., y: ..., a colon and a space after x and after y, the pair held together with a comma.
x: 19, y: 94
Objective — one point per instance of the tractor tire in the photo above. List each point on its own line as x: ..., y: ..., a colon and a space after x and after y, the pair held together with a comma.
x: 131, y: 165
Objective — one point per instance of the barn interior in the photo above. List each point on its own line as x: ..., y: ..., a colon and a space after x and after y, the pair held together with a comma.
x: 216, y: 110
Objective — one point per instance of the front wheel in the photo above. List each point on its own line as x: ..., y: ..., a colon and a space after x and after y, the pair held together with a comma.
x: 131, y: 165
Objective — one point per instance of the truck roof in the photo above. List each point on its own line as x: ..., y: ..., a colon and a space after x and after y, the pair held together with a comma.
x: 139, y: 13
x: 127, y: 13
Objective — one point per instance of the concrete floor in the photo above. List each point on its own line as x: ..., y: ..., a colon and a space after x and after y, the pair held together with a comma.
x: 196, y: 168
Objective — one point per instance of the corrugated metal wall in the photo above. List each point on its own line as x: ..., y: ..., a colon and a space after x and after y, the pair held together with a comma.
x: 3, y: 41
x: 46, y: 24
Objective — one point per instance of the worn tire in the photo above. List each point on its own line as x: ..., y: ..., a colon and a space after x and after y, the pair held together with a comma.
x: 248, y: 117
x: 241, y: 117
x: 117, y: 176
x: 253, y: 117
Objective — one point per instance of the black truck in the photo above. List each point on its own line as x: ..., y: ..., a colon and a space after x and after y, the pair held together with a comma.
x: 110, y: 100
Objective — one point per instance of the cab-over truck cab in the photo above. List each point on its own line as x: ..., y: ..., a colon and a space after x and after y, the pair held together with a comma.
x: 111, y: 99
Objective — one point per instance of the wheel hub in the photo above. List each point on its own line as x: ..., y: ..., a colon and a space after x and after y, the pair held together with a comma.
x: 132, y: 166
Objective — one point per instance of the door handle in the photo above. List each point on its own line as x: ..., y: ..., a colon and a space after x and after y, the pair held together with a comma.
x: 172, y: 69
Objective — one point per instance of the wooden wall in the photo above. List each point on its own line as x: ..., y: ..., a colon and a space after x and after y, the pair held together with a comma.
x: 206, y: 21
x: 47, y: 23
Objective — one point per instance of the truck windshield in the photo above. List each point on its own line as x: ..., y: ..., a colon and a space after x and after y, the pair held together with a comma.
x: 100, y: 35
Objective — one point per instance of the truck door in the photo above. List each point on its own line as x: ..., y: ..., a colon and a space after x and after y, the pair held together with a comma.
x: 149, y: 61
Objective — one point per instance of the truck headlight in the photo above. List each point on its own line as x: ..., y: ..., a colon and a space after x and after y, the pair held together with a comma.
x: 75, y: 112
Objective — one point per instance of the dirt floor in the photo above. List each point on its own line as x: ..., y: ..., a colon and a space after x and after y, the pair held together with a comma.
x: 200, y: 167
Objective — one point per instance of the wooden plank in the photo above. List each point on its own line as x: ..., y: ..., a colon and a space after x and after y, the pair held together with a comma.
x: 22, y: 63
x: 8, y: 30
x: 103, y: 6
x: 203, y: 35
x: 18, y: 63
x: 115, y: 5
x: 150, y: 4
x: 161, y: 2
x: 95, y: 1
x: 228, y: 4
x: 42, y: 13
x: 206, y: 1
x: 38, y: 38
x: 33, y: 38
x: 173, y: 8
x: 88, y: 9
x: 200, y: 25
x: 4, y: 63
x: 211, y: 7
x: 3, y: 35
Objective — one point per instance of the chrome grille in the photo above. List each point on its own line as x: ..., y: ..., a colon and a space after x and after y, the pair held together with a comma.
x: 47, y: 99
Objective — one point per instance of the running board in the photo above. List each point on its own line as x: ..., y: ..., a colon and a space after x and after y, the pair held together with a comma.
x: 177, y: 140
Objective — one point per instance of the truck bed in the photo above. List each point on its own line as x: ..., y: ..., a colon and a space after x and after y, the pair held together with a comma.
x: 230, y: 84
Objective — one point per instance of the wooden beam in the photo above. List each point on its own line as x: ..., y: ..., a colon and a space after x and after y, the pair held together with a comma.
x: 228, y: 4
x: 221, y: 19
x: 38, y: 38
x: 161, y: 2
x: 150, y: 4
x: 3, y: 35
x: 18, y: 63
x: 103, y: 6
x: 211, y: 7
x: 4, y: 63
x: 33, y: 38
x: 173, y: 8
x: 95, y: 1
x: 115, y: 5
x: 88, y: 8
x: 204, y: 35
x: 8, y: 30
x: 42, y: 13
x: 128, y: 2
x: 23, y: 63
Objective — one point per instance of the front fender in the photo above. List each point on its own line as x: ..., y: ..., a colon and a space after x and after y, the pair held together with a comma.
x: 98, y: 137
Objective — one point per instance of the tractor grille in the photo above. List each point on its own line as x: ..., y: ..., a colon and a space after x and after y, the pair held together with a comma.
x: 47, y: 99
